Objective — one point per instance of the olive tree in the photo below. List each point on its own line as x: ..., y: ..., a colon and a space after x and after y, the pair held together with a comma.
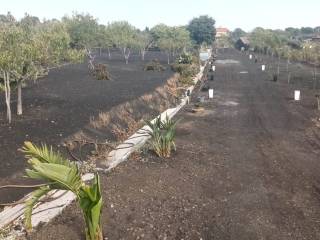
x: 43, y: 47
x: 10, y: 59
x: 144, y: 41
x: 83, y: 30
x: 28, y: 52
x: 171, y: 40
x: 104, y: 39
x: 124, y: 36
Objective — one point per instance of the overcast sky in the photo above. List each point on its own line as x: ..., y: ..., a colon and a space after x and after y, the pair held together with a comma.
x: 246, y: 14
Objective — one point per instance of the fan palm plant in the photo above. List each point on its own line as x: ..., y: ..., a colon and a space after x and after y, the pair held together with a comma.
x: 59, y: 173
x: 162, y: 136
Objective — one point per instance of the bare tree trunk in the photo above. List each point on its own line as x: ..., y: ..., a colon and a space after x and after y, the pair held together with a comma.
x: 100, y: 51
x: 289, y: 77
x: 143, y: 52
x: 19, y: 100
x: 109, y: 54
x: 127, y: 55
x: 124, y: 52
x: 314, y: 77
x: 288, y: 73
x: 278, y: 67
x: 168, y: 55
x: 7, y: 91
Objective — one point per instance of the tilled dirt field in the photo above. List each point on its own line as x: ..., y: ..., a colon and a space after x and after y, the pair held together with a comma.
x: 247, y: 167
x: 63, y: 103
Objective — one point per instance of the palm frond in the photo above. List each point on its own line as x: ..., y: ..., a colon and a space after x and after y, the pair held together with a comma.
x: 43, y: 154
x: 162, y: 135
x: 35, y: 197
x: 60, y: 173
x: 91, y: 203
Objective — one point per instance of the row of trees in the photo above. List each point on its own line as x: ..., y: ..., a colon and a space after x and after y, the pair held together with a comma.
x: 280, y: 43
x: 29, y: 48
x: 86, y: 32
x: 292, y: 44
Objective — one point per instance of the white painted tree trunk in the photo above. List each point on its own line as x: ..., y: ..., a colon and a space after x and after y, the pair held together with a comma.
x: 278, y: 67
x: 288, y: 73
x: 143, y: 52
x: 109, y: 53
x: 19, y: 96
x: 126, y: 53
x: 7, y: 91
x: 168, y: 55
x: 314, y: 77
x: 289, y: 77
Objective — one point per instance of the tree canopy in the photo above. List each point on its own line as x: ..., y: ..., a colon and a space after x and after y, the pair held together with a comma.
x: 202, y: 29
x: 83, y: 30
x: 28, y: 49
x: 172, y: 40
x: 237, y: 33
x: 124, y: 36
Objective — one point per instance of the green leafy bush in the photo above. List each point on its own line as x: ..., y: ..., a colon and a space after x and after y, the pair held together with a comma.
x: 185, y: 58
x: 59, y: 173
x: 162, y: 136
x: 186, y: 71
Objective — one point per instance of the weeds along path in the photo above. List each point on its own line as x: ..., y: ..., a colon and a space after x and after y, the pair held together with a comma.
x: 244, y: 169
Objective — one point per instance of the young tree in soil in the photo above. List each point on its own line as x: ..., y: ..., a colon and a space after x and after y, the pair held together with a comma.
x: 124, y: 37
x: 314, y: 58
x: 28, y: 51
x: 287, y: 54
x: 10, y: 59
x: 144, y: 41
x: 45, y: 47
x: 105, y: 39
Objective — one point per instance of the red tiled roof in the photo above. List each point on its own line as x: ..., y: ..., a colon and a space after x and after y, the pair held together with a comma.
x: 221, y: 29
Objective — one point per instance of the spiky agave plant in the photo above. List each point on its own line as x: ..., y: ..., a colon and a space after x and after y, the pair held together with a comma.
x: 162, y: 136
x: 59, y: 173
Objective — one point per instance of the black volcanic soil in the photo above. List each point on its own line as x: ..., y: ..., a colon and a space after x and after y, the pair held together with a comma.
x: 63, y: 103
x: 246, y: 167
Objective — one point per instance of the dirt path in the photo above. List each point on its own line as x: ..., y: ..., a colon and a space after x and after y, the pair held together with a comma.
x: 247, y: 167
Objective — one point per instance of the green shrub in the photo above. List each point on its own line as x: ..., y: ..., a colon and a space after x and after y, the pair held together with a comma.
x: 162, y: 136
x: 184, y: 58
x: 186, y: 71
x: 179, y: 68
x: 59, y: 173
